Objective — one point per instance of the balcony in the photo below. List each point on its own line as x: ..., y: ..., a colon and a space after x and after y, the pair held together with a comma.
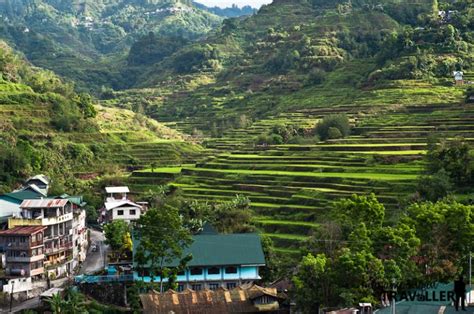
x: 15, y: 222
x: 37, y: 271
x: 55, y: 220
x: 58, y: 249
x: 24, y: 259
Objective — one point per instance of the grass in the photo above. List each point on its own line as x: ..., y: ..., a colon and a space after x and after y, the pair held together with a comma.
x: 368, y: 175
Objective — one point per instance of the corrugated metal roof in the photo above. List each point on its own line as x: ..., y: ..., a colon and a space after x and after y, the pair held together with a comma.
x: 22, y: 230
x: 222, y: 250
x: 44, y: 203
x: 117, y: 189
x: 237, y: 300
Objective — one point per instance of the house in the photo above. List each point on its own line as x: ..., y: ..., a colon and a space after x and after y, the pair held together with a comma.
x: 118, y: 206
x: 24, y: 251
x: 219, y: 261
x: 57, y: 216
x: 39, y: 181
x: 10, y: 202
x: 458, y: 77
x: 245, y: 299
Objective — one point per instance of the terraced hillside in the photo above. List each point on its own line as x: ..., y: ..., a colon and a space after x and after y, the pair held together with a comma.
x: 292, y: 185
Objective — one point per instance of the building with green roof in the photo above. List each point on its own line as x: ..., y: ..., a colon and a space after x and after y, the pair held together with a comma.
x: 219, y: 260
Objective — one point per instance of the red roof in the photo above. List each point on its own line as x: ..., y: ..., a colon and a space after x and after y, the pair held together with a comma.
x: 44, y: 203
x: 22, y: 230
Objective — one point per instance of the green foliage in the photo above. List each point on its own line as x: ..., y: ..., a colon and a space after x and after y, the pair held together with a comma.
x: 233, y: 216
x: 163, y: 238
x: 360, y: 209
x: 152, y: 49
x: 117, y: 235
x: 333, y: 126
x: 446, y: 230
x: 435, y: 187
x: 469, y: 94
x: 197, y: 58
x: 451, y: 156
x: 308, y: 282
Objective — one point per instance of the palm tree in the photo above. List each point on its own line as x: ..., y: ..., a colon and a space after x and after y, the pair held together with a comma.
x: 57, y: 304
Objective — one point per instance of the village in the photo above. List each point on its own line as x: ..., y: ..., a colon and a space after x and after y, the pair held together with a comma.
x: 47, y: 247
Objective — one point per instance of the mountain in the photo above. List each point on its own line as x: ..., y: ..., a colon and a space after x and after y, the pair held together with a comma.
x: 254, y: 90
x: 298, y: 46
x: 86, y: 40
x: 47, y: 127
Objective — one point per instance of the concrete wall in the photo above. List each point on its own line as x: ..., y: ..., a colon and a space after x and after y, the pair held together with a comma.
x: 9, y: 209
x: 19, y: 285
x: 126, y: 213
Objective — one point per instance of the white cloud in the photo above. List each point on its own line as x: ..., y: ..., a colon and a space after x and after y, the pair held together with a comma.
x: 228, y: 3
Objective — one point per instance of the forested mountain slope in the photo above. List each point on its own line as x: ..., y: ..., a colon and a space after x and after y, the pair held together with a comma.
x: 47, y: 127
x: 381, y: 73
x: 252, y: 65
x: 86, y: 40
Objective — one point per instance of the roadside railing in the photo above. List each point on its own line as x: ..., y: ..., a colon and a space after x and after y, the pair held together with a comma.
x: 102, y: 279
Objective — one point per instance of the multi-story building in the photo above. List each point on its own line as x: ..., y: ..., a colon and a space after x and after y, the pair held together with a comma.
x: 118, y: 206
x: 24, y: 251
x: 57, y: 216
x: 219, y: 260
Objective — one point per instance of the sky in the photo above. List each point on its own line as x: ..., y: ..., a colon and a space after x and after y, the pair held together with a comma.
x: 228, y: 3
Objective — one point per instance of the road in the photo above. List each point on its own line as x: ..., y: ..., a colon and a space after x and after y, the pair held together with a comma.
x: 34, y: 302
x: 95, y: 261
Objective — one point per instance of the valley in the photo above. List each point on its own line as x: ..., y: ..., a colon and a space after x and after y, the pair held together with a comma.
x: 340, y: 132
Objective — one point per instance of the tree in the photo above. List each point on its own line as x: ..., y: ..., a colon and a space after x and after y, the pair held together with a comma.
x: 357, y: 209
x: 163, y: 239
x: 57, y: 304
x: 446, y: 230
x: 435, y: 187
x: 117, y: 234
x: 308, y: 288
x: 233, y: 216
x: 332, y: 122
x: 452, y: 157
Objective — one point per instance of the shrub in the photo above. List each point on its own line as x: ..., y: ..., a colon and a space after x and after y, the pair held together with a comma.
x: 334, y: 121
x: 334, y: 133
x: 435, y: 187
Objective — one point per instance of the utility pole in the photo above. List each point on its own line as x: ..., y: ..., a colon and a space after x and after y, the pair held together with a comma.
x: 11, y: 295
x: 470, y: 276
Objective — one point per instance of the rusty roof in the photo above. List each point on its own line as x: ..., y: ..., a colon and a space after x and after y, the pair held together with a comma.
x: 238, y: 300
x: 22, y: 230
x: 44, y: 203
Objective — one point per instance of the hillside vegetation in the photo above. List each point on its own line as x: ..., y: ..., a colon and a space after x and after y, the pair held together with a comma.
x: 47, y: 127
x: 87, y: 41
x: 256, y: 90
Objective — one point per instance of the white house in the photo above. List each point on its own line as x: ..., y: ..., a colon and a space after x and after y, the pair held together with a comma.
x: 125, y: 210
x: 118, y: 206
x: 458, y: 77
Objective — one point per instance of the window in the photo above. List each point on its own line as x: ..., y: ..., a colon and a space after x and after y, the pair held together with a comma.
x: 196, y: 271
x: 213, y: 286
x: 133, y: 212
x: 213, y: 271
x: 231, y: 270
x: 120, y: 212
x: 181, y: 273
x: 196, y: 287
x: 180, y: 288
x: 231, y: 285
